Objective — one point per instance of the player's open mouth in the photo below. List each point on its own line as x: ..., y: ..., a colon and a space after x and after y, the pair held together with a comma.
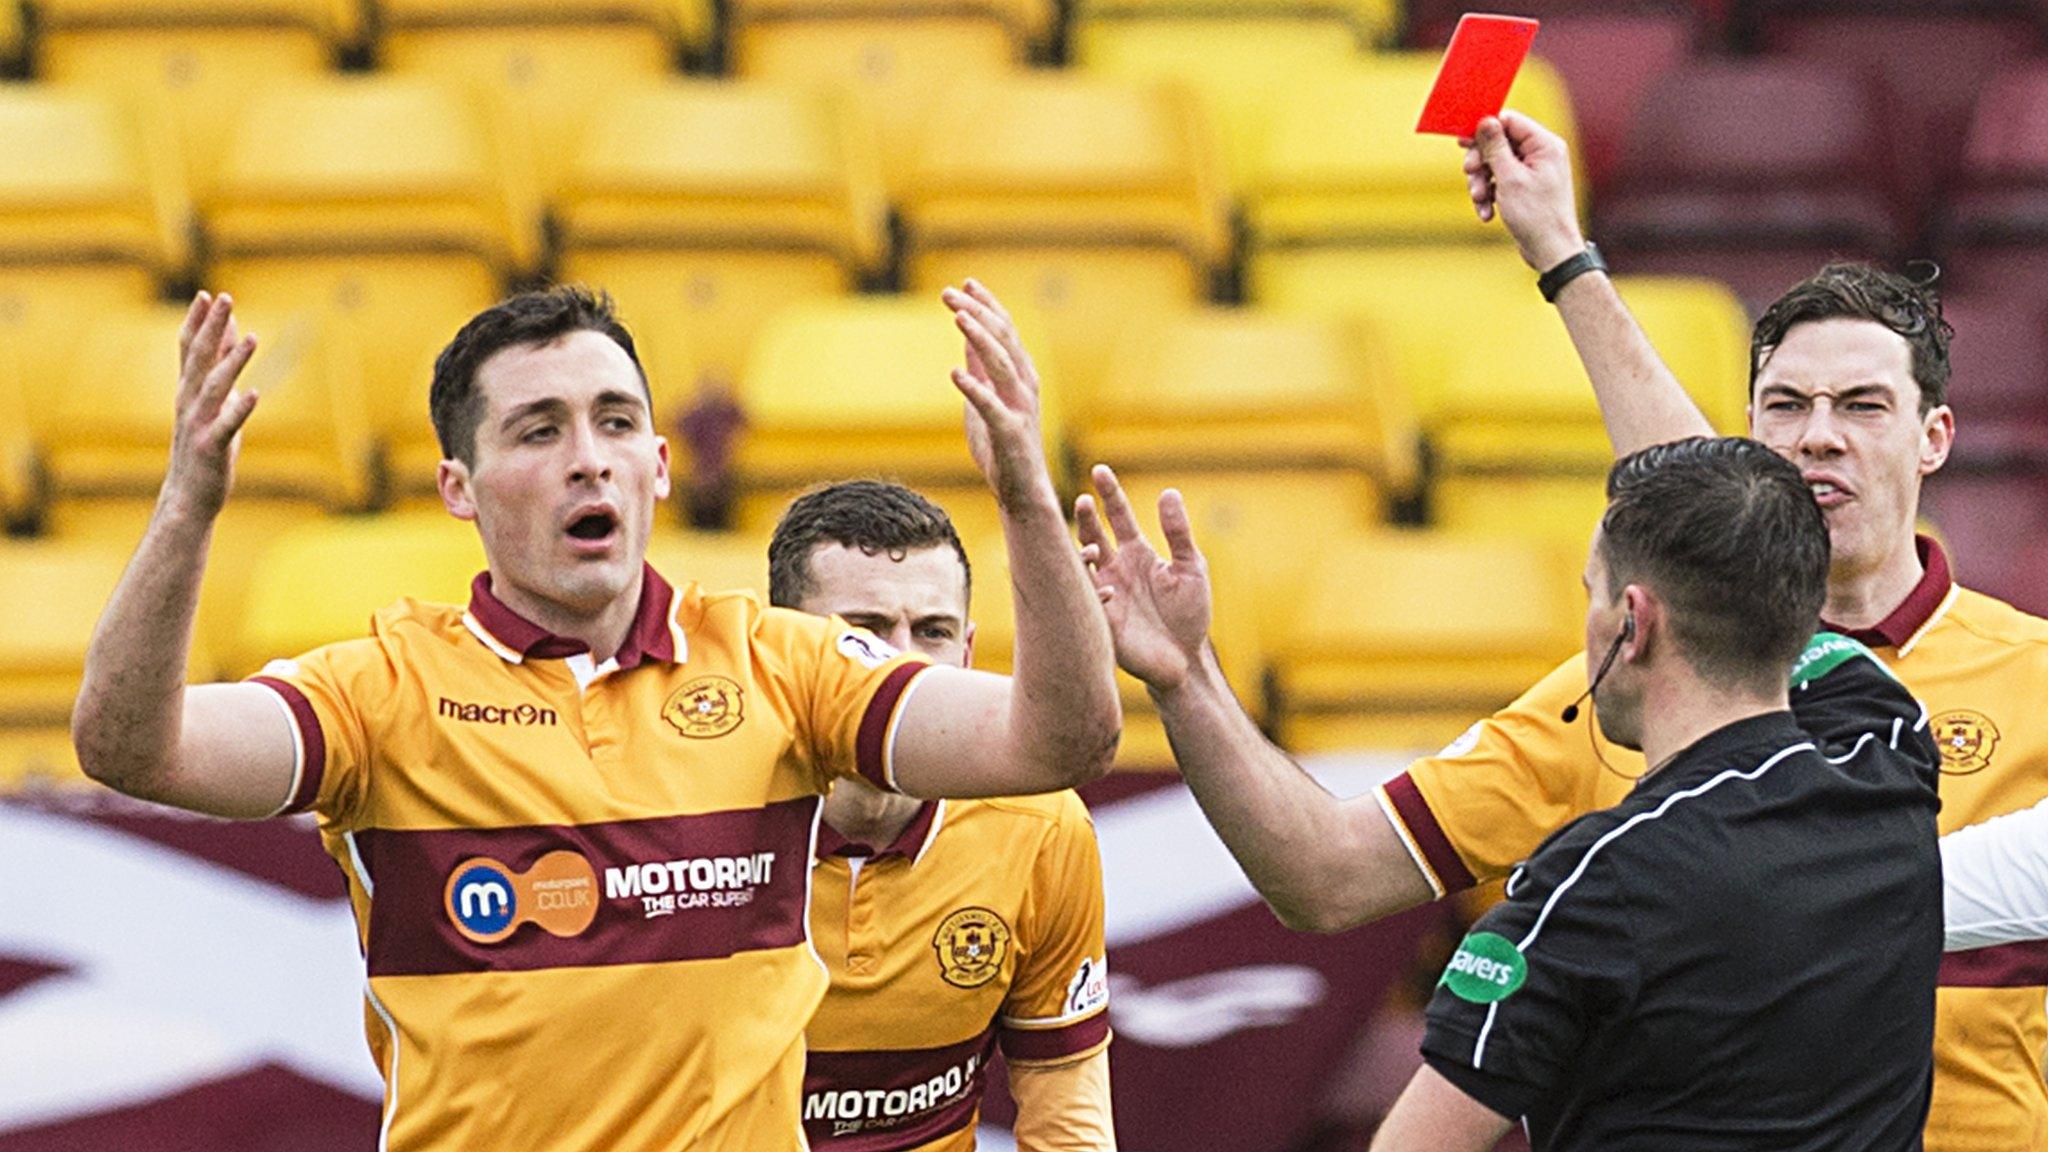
x: 593, y: 531
x: 1828, y: 491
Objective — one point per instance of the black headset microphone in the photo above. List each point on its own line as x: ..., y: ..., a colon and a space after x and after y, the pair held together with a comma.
x: 1628, y: 632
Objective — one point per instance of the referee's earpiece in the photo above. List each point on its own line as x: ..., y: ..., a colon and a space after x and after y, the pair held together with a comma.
x: 1628, y: 633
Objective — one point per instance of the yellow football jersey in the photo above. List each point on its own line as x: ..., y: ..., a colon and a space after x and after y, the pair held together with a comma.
x: 1474, y: 811
x: 581, y: 889
x: 981, y: 925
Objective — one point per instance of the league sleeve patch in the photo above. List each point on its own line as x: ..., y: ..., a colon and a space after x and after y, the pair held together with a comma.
x: 1487, y: 968
x: 1466, y: 742
x: 866, y: 649
x: 1826, y: 652
x: 1089, y: 989
x: 280, y: 669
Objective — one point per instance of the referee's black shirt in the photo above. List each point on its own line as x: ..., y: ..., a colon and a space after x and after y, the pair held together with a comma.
x: 1741, y: 955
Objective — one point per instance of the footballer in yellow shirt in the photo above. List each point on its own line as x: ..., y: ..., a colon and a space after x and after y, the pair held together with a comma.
x: 950, y: 928
x: 577, y: 818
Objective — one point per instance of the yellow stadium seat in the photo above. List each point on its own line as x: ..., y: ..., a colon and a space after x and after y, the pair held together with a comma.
x: 390, y: 205
x: 104, y: 435
x: 1096, y: 204
x: 55, y: 593
x: 714, y: 561
x: 199, y: 60
x: 10, y: 33
x: 705, y: 206
x: 1401, y: 639
x: 1338, y: 160
x: 682, y: 26
x: 1517, y: 433
x: 1423, y: 300
x: 861, y: 387
x: 1234, y: 64
x: 551, y: 78
x: 1290, y: 425
x: 322, y: 581
x: 19, y: 477
x: 902, y: 58
x: 93, y: 214
x: 1365, y: 23
x: 105, y: 431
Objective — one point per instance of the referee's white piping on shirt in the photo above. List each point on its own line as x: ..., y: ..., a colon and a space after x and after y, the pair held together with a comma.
x: 1492, y: 1010
x: 1939, y: 611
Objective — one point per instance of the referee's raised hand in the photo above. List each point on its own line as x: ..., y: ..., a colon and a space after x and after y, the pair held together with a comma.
x: 210, y: 413
x: 1521, y: 171
x: 1158, y: 606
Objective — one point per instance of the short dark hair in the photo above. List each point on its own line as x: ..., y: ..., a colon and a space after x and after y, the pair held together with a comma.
x: 1727, y: 533
x: 1844, y: 290
x: 874, y: 516
x: 530, y: 318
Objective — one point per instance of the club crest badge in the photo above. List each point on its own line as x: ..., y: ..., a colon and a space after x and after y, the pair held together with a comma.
x: 706, y: 707
x: 1966, y: 740
x: 971, y: 945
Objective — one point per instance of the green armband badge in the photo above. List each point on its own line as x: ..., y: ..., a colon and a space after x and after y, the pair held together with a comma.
x: 1826, y: 652
x: 1486, y: 968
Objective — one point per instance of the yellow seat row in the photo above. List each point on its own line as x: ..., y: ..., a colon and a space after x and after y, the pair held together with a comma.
x: 1399, y: 638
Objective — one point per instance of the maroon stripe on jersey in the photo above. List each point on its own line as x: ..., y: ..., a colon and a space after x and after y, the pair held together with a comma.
x: 871, y: 747
x: 672, y: 888
x: 2022, y: 965
x: 887, y: 1101
x: 1428, y: 834
x: 1038, y: 1045
x: 311, y: 738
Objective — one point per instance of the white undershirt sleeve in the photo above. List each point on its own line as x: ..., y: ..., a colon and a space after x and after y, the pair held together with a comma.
x: 1995, y: 877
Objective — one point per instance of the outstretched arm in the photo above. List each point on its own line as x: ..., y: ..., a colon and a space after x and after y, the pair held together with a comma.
x: 224, y: 749
x: 1056, y: 721
x: 1322, y: 863
x: 1522, y: 171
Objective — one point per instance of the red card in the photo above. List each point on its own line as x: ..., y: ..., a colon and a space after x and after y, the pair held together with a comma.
x: 1479, y: 67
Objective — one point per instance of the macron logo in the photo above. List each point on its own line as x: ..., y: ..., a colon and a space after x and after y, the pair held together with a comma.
x: 525, y: 715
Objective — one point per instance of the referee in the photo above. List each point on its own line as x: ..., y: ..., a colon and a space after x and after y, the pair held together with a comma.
x: 1741, y: 954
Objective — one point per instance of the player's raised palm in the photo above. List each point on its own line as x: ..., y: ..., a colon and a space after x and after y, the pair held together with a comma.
x: 1158, y: 606
x: 210, y: 413
x: 1001, y: 386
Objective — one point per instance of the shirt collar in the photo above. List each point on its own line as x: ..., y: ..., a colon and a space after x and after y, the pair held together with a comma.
x: 653, y: 635
x: 909, y: 843
x: 1712, y: 753
x: 1917, y: 609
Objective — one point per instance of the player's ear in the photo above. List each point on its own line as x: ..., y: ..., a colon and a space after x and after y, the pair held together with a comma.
x: 1937, y: 436
x: 661, y: 476
x: 453, y: 481
x: 967, y: 646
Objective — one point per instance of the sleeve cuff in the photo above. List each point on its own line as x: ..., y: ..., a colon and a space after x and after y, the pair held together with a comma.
x: 1426, y: 840
x: 309, y: 745
x: 1510, y: 1099
x: 1030, y: 1042
x: 875, y: 745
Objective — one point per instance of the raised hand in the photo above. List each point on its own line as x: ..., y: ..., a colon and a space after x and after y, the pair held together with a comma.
x: 1158, y: 607
x: 1001, y: 387
x: 210, y: 412
x: 1520, y: 170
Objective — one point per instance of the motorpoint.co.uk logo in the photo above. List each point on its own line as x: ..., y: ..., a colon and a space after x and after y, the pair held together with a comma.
x: 487, y: 901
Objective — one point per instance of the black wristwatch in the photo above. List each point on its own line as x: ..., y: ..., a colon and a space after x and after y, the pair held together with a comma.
x: 1553, y: 281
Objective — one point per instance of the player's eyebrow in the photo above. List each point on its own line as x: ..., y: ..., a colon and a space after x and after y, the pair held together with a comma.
x: 1852, y: 392
x: 546, y: 405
